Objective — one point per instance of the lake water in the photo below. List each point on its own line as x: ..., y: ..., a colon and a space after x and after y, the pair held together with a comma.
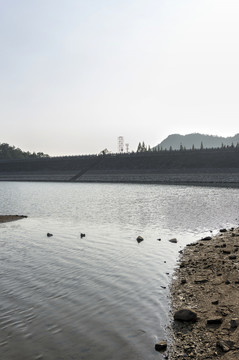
x: 103, y: 296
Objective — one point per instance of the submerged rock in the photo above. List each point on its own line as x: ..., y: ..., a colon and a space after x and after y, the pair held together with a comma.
x: 139, y: 239
x: 161, y: 346
x: 174, y: 240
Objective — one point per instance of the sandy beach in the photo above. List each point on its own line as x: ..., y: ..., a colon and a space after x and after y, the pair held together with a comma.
x: 7, y: 218
x: 207, y: 283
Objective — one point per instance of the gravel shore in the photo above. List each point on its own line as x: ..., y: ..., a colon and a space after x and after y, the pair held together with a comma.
x: 207, y: 282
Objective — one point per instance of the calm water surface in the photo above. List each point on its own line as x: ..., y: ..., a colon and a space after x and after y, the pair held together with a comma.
x: 103, y: 296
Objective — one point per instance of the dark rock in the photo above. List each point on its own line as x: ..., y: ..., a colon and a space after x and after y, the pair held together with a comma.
x: 174, y: 240
x: 234, y: 323
x: 161, y: 346
x: 223, y: 230
x: 207, y: 238
x: 139, y: 239
x: 183, y: 281
x: 82, y: 235
x: 159, y: 239
x: 185, y: 315
x: 232, y: 257
x: 226, y: 251
x: 216, y: 320
x: 225, y: 346
x: 227, y: 282
x: 200, y: 281
x: 49, y: 234
x: 215, y: 302
x: 224, y: 312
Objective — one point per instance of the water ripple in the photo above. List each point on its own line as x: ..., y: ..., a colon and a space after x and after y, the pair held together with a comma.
x: 103, y: 296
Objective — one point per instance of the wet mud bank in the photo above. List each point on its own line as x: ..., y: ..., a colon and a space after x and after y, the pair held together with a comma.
x: 206, y: 284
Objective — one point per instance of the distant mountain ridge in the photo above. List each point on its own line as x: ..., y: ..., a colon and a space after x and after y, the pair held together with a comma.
x: 196, y: 140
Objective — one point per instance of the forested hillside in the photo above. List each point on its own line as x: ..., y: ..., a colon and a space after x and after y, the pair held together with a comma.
x: 196, y: 141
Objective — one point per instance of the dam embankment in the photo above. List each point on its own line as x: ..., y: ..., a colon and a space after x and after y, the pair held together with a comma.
x: 215, y: 167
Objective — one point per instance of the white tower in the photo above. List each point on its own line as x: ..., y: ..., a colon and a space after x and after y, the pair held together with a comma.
x: 120, y: 144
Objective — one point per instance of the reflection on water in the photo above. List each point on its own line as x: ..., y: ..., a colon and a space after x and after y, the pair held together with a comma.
x: 102, y: 296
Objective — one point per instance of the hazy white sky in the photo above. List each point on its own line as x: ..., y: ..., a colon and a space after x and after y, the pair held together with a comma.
x: 77, y: 74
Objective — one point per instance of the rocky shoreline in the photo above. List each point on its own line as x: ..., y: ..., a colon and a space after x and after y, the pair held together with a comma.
x: 7, y: 218
x: 207, y: 283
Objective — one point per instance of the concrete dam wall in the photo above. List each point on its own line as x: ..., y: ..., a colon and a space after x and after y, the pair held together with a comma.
x: 216, y: 167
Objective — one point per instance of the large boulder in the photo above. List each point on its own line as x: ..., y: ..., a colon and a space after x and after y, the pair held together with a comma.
x: 185, y: 315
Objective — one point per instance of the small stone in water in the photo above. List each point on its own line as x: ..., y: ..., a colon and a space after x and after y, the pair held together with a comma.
x: 161, y: 345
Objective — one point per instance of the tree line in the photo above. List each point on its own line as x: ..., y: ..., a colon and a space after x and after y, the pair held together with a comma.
x: 11, y: 152
x: 143, y: 148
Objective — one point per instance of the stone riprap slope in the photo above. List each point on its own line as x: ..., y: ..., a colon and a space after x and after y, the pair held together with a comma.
x: 213, y: 178
x: 218, y: 167
x: 207, y: 282
x: 61, y: 176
